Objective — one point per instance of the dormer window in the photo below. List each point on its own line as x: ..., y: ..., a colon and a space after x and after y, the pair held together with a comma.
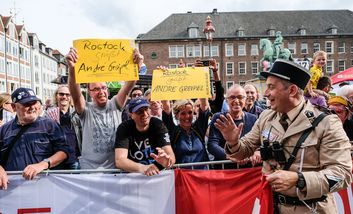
x: 240, y: 32
x: 302, y: 30
x: 271, y: 31
x: 193, y: 30
x: 333, y: 29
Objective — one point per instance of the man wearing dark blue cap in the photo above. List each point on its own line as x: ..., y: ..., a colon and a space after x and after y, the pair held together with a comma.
x: 304, y: 178
x: 29, y: 142
x: 142, y: 143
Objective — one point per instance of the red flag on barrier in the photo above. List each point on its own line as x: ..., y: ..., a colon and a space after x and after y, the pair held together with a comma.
x: 217, y: 191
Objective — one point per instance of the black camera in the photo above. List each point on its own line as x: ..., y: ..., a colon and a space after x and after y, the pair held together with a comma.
x: 266, y: 151
x: 272, y: 152
x: 205, y: 63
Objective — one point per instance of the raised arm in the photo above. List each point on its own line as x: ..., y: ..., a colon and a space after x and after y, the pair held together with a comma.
x: 166, y: 106
x: 75, y: 90
x: 126, y: 89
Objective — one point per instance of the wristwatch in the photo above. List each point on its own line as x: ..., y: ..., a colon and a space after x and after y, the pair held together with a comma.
x: 301, y: 181
x: 47, y: 161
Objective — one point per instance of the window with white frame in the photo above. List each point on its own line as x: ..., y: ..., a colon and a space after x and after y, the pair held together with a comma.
x: 206, y: 51
x: 197, y: 50
x: 292, y: 47
x: 229, y: 84
x: 240, y: 33
x: 176, y: 51
x: 329, y: 47
x: 271, y: 32
x: 341, y: 65
x: 214, y: 51
x: 241, y: 50
x: 302, y: 31
x: 2, y: 86
x: 254, y: 67
x: 341, y: 47
x: 316, y: 47
x: 229, y: 68
x: 242, y: 68
x: 352, y: 47
x: 229, y: 49
x: 193, y: 32
x: 304, y: 48
x: 329, y: 66
x: 254, y: 50
x: 2, y: 47
x: 193, y: 51
x: 2, y: 65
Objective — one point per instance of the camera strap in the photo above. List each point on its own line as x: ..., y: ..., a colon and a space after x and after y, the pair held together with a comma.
x: 301, y: 140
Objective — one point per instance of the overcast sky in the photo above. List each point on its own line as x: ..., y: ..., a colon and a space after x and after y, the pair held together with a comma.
x: 58, y: 22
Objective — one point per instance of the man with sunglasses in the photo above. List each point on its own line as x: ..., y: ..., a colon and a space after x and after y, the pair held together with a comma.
x: 40, y: 145
x: 99, y: 118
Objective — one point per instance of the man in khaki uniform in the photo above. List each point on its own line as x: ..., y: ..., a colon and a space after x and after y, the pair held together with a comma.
x: 322, y: 164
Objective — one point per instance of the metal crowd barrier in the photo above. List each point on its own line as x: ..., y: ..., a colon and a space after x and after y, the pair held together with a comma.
x: 87, y: 171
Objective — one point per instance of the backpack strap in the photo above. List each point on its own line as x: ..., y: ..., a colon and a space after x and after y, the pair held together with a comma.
x: 301, y: 140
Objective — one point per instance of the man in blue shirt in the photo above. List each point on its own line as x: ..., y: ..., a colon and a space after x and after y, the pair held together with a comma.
x: 42, y: 144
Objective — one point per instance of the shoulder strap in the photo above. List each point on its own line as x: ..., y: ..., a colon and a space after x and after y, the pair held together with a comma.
x: 6, y: 154
x: 301, y: 140
x: 1, y: 113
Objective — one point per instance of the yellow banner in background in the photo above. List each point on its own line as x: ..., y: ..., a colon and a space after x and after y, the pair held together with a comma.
x: 181, y: 83
x: 103, y: 60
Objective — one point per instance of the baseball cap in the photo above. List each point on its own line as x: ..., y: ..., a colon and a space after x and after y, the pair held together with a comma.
x: 137, y: 103
x: 23, y: 96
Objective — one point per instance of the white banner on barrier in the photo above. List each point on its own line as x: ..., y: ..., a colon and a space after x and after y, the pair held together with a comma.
x: 90, y: 193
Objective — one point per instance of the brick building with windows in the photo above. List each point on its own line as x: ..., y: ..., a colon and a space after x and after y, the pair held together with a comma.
x: 236, y: 41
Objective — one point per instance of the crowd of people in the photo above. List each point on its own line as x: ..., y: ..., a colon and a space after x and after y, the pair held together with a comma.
x: 301, y: 135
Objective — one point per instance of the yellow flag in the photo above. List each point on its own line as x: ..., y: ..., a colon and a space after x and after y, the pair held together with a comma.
x: 181, y: 83
x: 103, y: 60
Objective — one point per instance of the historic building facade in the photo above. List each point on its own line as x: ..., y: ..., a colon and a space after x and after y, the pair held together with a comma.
x: 27, y: 62
x: 236, y: 40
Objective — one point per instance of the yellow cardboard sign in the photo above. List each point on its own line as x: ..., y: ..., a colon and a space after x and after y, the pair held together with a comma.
x: 103, y: 60
x: 181, y: 83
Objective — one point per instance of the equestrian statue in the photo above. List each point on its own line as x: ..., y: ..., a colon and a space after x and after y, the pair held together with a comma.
x: 274, y: 51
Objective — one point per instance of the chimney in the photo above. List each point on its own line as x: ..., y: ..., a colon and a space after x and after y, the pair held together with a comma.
x: 214, y: 11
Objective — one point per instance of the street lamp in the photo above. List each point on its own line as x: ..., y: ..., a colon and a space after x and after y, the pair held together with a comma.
x: 208, y: 30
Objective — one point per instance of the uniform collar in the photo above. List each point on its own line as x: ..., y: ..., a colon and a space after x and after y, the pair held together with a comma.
x: 292, y: 114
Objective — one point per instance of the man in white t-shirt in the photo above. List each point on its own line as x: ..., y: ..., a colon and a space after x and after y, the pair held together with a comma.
x: 99, y: 118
